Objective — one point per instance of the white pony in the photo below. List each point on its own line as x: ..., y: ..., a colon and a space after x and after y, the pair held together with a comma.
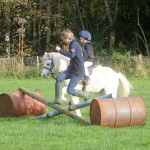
x: 102, y: 78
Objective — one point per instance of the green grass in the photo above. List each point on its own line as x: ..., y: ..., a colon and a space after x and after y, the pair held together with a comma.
x: 64, y: 133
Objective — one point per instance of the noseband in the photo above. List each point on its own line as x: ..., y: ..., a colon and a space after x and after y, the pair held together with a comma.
x: 51, y: 68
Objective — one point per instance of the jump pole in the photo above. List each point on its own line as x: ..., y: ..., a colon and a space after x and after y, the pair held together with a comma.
x: 54, y: 106
x: 72, y: 107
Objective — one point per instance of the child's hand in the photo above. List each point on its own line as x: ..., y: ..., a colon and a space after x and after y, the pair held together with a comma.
x: 57, y: 48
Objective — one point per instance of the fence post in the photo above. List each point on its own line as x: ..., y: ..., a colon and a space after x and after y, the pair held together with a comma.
x: 38, y: 62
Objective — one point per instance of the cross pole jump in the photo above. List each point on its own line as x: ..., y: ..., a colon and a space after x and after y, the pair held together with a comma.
x: 73, y: 107
x: 54, y: 106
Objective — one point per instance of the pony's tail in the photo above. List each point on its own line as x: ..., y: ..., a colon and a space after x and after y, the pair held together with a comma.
x: 124, y: 86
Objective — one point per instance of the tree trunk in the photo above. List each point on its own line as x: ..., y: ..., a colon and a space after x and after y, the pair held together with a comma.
x: 144, y: 40
x: 112, y: 19
x: 112, y: 39
x: 39, y: 25
x: 87, y: 15
x: 80, y: 16
x: 34, y: 29
x: 48, y: 25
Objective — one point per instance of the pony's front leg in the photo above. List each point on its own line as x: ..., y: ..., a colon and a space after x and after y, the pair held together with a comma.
x: 63, y: 98
x: 75, y: 100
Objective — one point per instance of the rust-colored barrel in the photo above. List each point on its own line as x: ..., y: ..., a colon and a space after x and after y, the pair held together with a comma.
x: 20, y: 104
x: 128, y: 111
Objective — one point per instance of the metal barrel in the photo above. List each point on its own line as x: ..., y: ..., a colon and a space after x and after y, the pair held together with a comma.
x: 127, y: 111
x: 19, y: 104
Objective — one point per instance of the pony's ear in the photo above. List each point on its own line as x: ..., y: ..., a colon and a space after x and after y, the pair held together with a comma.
x: 48, y: 55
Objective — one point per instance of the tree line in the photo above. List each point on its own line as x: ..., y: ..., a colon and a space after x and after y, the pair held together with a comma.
x: 31, y: 27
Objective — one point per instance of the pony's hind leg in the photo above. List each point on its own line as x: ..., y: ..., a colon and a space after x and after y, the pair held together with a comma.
x: 112, y: 89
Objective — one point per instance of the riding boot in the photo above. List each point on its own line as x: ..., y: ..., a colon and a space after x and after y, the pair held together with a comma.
x: 82, y: 94
x: 58, y: 93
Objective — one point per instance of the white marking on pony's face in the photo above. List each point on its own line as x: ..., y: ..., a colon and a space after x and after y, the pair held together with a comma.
x: 47, y: 62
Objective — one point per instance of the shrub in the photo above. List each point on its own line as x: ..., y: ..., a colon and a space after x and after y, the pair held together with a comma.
x: 132, y: 66
x: 19, y: 71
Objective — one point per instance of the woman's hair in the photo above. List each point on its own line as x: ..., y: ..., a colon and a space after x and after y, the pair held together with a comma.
x: 66, y: 33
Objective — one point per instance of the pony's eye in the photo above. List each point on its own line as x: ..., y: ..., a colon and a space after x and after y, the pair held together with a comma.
x: 48, y: 64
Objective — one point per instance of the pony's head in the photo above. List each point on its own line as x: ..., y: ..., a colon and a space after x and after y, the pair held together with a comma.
x: 53, y: 63
x: 48, y: 65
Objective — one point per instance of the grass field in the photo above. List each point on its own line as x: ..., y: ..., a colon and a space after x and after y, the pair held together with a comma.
x: 64, y: 133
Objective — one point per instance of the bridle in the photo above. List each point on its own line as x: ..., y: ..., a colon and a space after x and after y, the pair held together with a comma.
x: 51, y: 67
